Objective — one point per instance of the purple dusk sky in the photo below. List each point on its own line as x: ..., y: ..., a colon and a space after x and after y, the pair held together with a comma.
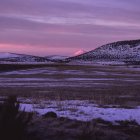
x: 45, y: 27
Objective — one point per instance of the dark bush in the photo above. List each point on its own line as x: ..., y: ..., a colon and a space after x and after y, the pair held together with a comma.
x: 13, y: 122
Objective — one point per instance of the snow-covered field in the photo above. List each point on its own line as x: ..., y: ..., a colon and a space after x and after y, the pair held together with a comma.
x: 82, y: 110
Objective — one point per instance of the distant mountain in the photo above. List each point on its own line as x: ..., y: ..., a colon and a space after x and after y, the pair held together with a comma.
x: 117, y: 51
x: 12, y: 57
x: 79, y: 52
x: 56, y: 58
x: 8, y: 55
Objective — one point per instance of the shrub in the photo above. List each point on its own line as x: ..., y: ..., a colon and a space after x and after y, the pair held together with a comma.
x: 13, y: 122
x: 90, y: 132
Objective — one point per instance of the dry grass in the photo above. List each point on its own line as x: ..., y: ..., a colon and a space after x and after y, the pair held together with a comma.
x: 117, y: 91
x: 66, y: 129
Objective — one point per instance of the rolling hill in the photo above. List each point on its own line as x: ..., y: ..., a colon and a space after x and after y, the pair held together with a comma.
x: 117, y: 51
x: 13, y: 57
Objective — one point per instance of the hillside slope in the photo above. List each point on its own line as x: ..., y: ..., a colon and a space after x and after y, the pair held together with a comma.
x: 118, y: 51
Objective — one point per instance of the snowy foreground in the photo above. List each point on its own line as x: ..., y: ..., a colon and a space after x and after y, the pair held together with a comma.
x: 82, y: 110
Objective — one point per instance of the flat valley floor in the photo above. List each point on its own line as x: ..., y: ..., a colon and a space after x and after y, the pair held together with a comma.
x: 102, y: 96
x: 73, y: 86
x: 100, y: 83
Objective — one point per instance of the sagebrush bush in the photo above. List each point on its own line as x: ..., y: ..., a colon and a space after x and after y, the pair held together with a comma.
x: 13, y: 122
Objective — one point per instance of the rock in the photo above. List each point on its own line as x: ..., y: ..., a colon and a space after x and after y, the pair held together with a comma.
x: 50, y: 115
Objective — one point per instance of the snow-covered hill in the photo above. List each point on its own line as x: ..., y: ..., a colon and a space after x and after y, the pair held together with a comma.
x: 118, y: 51
x: 12, y: 57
